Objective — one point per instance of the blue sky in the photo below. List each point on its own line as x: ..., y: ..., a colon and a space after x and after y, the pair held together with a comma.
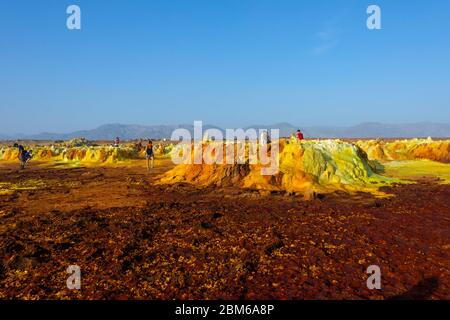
x: 230, y: 63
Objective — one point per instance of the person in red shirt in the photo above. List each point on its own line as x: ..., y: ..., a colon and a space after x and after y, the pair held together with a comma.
x: 299, y: 135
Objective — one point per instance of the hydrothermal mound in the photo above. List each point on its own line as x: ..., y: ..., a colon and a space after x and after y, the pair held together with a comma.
x: 414, y: 149
x: 85, y: 154
x: 81, y: 154
x: 304, y: 167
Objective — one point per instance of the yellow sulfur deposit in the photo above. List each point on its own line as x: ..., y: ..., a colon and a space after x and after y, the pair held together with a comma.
x: 304, y: 166
x: 99, y: 154
x: 410, y: 159
x: 32, y: 184
x: 413, y: 149
x: 78, y: 151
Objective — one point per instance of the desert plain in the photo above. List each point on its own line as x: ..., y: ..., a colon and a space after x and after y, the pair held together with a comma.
x: 223, y: 232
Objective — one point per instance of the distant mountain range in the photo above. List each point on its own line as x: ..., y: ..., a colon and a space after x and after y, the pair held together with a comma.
x: 368, y: 130
x: 364, y: 130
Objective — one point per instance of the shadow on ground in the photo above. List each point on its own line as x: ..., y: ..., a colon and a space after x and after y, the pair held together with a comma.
x: 421, y: 291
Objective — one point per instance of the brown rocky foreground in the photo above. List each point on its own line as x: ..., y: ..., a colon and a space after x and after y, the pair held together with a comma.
x: 136, y: 240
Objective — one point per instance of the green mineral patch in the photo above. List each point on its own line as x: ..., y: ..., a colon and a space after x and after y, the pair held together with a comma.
x: 415, y: 169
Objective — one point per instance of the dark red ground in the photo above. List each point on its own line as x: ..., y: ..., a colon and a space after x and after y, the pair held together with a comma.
x: 133, y: 239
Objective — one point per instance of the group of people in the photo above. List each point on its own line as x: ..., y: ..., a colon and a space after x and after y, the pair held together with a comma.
x: 265, y: 138
x: 25, y: 156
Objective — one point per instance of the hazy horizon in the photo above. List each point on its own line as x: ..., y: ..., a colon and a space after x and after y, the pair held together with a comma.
x: 433, y: 126
x: 254, y: 125
x: 230, y: 64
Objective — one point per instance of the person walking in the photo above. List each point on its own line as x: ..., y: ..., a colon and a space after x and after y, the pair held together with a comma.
x: 149, y: 154
x: 24, y: 155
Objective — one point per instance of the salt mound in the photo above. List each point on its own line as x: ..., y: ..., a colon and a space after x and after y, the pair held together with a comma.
x: 413, y: 149
x: 81, y: 150
x: 85, y: 154
x: 304, y: 166
x: 77, y: 142
x: 161, y: 149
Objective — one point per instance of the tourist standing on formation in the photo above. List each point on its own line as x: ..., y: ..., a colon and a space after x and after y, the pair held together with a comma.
x: 299, y: 135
